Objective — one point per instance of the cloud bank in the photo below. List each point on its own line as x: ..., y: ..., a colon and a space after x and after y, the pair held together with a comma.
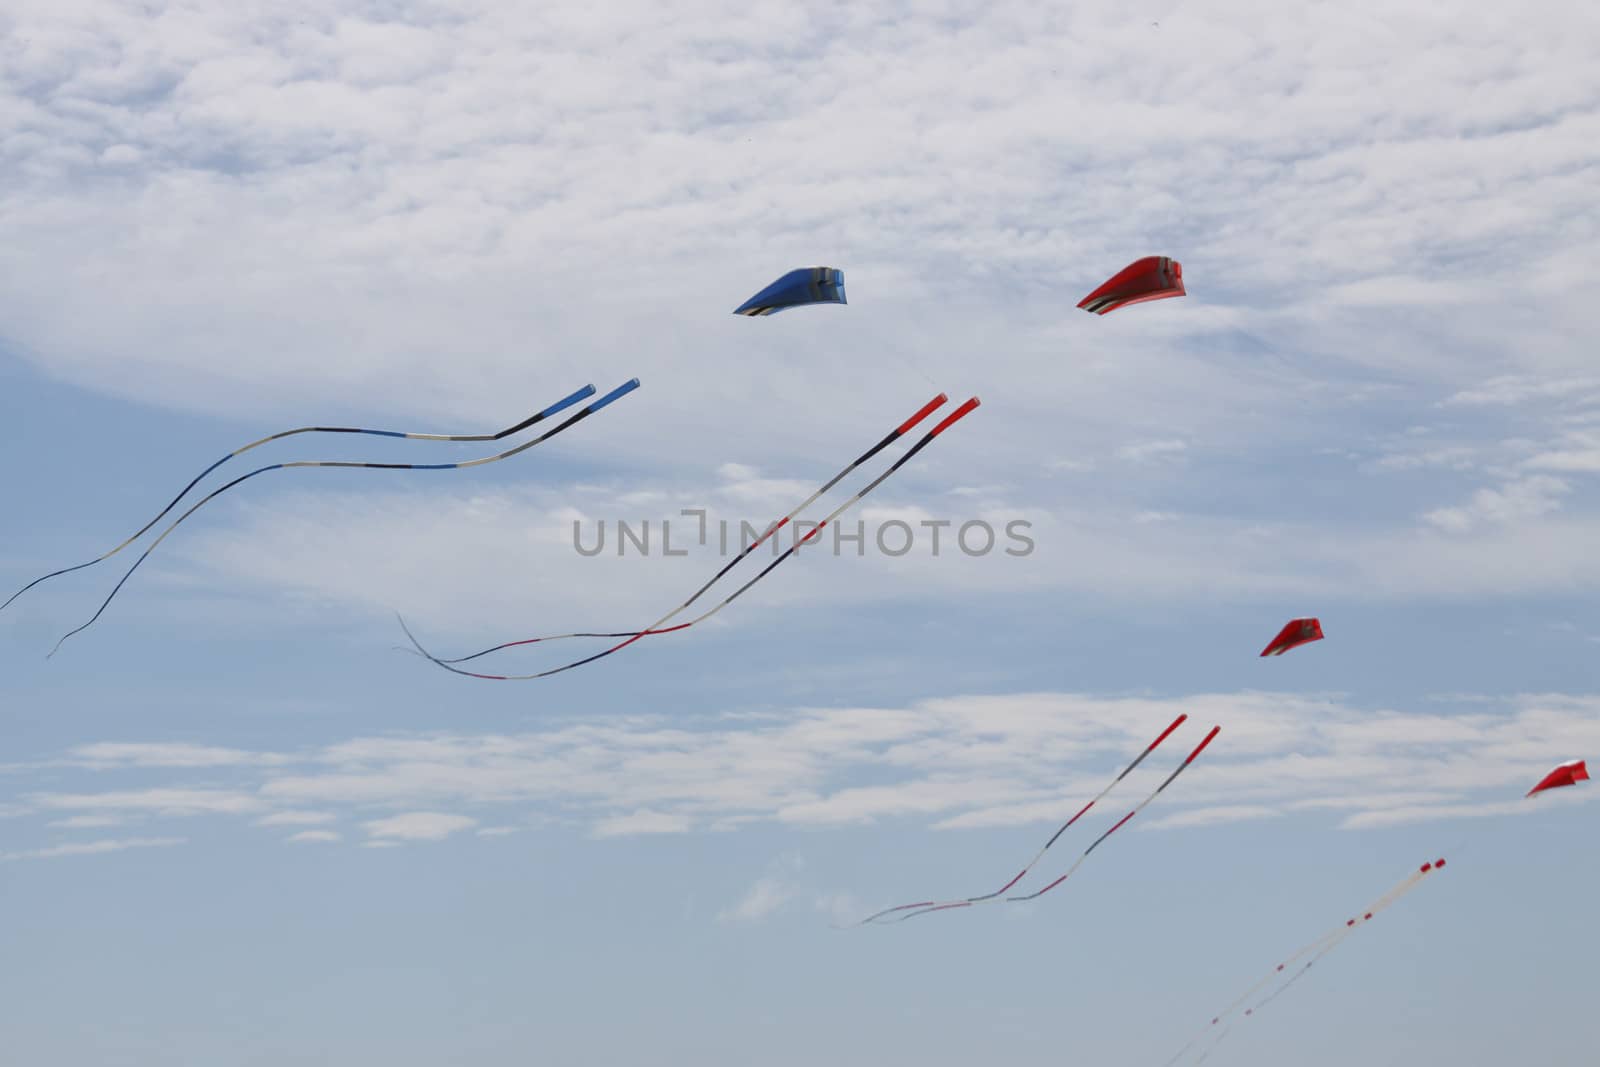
x: 957, y: 763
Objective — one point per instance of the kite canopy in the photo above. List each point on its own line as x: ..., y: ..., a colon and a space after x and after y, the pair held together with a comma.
x: 1295, y: 633
x: 1150, y: 278
x: 1566, y: 774
x: 807, y: 285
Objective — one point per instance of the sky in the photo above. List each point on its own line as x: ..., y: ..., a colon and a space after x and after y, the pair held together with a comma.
x: 241, y: 825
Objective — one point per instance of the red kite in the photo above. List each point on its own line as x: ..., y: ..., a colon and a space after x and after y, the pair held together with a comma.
x: 1150, y: 278
x: 1296, y: 633
x: 1566, y: 774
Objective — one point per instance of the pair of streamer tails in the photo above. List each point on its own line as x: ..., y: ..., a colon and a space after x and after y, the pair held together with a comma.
x: 1291, y: 970
x: 1282, y: 977
x: 554, y: 409
x: 655, y: 628
x: 902, y: 912
x: 660, y: 625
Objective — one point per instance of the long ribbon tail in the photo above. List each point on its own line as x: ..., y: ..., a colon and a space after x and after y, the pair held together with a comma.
x: 941, y: 905
x: 1350, y: 927
x: 585, y: 412
x: 558, y: 406
x: 1206, y: 1055
x: 1227, y: 1012
x: 1316, y: 950
x: 927, y: 439
x: 890, y: 438
x: 1120, y: 823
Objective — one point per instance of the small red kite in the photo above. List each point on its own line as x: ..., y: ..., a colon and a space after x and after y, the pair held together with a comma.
x: 1566, y: 774
x: 1150, y: 278
x: 1296, y: 633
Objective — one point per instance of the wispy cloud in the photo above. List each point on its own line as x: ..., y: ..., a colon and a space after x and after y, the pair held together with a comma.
x: 1514, y: 502
x: 782, y: 885
x: 1513, y: 390
x: 88, y: 822
x: 90, y: 848
x: 643, y: 821
x: 966, y: 762
x: 1446, y: 457
x: 109, y: 755
x: 764, y: 898
x: 159, y: 801
x: 419, y: 826
x: 1529, y: 533
x: 296, y: 818
x: 1147, y: 451
x: 1211, y: 816
x: 1576, y: 452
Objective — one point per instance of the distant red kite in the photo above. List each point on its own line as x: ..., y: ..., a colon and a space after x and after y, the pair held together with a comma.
x: 1150, y: 278
x: 1296, y: 633
x: 1566, y: 774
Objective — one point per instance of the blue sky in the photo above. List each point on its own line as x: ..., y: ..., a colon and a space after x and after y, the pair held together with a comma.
x: 237, y: 826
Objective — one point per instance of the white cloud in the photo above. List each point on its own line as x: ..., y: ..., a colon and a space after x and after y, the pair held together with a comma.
x: 955, y: 763
x: 1514, y: 502
x: 1397, y: 816
x: 314, y: 836
x: 1517, y: 538
x: 91, y: 848
x: 419, y: 826
x: 297, y: 818
x: 775, y: 890
x: 1227, y: 813
x: 643, y: 821
x: 763, y: 899
x: 88, y: 822
x: 840, y: 908
x: 1398, y: 290
x: 1514, y: 390
x: 1445, y: 457
x: 120, y: 155
x: 1577, y: 452
x: 167, y: 802
x: 108, y: 755
x: 1146, y: 451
